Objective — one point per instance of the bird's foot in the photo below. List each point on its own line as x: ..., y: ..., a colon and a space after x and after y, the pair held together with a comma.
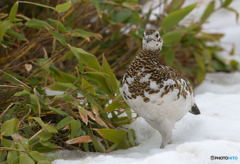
x: 164, y: 144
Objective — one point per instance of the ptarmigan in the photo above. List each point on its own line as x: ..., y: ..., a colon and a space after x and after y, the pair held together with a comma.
x: 158, y: 93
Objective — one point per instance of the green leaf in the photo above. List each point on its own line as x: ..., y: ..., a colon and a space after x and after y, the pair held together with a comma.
x: 86, y: 58
x: 36, y: 23
x: 44, y: 135
x: 59, y: 37
x: 131, y: 137
x: 22, y: 93
x: 63, y: 7
x: 200, y: 75
x: 45, y: 146
x: 98, y: 145
x: 86, y: 86
x: 113, y: 135
x: 59, y: 86
x: 44, y: 63
x: 116, y: 104
x: 135, y: 18
x: 75, y: 128
x: 85, y: 34
x: 113, y: 106
x: 99, y: 81
x: 64, y: 122
x: 12, y: 157
x: 44, y: 162
x: 6, y: 142
x: 200, y: 61
x: 9, y: 127
x: 208, y: 11
x: 226, y: 3
x: 65, y: 97
x: 58, y: 111
x: 234, y: 11
x: 25, y: 159
x: 175, y: 17
x: 218, y: 64
x: 13, y: 12
x: 173, y: 37
x: 16, y: 35
x: 4, y: 26
x: 35, y: 101
x: 58, y: 24
x: 47, y: 127
x: 121, y: 16
x: 38, y: 156
x: 102, y: 74
x: 174, y: 5
x: 3, y: 155
x: 111, y: 80
x: 234, y: 64
x: 61, y: 76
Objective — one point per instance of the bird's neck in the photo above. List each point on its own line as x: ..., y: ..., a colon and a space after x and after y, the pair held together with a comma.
x: 148, y: 57
x: 149, y: 54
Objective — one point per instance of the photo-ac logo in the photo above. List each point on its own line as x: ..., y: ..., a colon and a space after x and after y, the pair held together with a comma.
x: 213, y: 157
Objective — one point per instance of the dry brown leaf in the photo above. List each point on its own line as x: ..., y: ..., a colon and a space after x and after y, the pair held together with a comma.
x: 83, y: 115
x: 100, y: 121
x: 91, y: 115
x: 78, y: 140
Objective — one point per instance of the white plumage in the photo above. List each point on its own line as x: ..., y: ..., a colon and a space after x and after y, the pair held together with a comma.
x: 161, y: 113
x: 157, y: 93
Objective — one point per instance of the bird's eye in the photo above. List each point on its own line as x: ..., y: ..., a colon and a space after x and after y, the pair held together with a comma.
x: 157, y: 35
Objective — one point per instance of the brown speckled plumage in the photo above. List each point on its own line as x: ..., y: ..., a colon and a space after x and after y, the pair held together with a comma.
x: 149, y: 61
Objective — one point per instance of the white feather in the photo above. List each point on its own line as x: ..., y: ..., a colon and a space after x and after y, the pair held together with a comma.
x: 153, y: 85
x: 161, y: 112
x: 145, y: 78
x: 130, y: 80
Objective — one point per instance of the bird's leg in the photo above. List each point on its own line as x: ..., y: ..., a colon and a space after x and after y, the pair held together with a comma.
x: 165, y: 129
x: 164, y: 126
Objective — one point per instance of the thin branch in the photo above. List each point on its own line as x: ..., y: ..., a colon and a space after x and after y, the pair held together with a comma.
x: 37, y: 4
x: 9, y: 86
x: 9, y: 106
x: 15, y: 79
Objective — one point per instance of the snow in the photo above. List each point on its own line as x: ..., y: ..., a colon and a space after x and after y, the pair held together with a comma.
x: 225, y: 22
x: 215, y: 132
x: 195, y: 138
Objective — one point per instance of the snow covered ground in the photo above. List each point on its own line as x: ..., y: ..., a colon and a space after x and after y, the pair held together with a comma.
x: 216, y: 132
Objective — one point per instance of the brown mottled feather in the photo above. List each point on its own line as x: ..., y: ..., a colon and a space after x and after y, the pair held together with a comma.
x: 150, y: 61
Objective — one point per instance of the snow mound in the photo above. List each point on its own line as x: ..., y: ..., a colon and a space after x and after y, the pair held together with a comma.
x: 216, y: 132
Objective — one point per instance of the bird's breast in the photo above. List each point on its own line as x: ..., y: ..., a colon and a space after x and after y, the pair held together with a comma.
x: 151, y: 98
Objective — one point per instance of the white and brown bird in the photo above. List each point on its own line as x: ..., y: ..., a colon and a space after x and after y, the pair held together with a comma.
x: 158, y: 93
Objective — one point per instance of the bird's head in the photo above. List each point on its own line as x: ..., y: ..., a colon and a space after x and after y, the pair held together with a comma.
x: 152, y: 40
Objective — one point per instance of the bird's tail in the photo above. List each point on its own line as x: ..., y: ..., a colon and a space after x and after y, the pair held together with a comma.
x: 195, y: 110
